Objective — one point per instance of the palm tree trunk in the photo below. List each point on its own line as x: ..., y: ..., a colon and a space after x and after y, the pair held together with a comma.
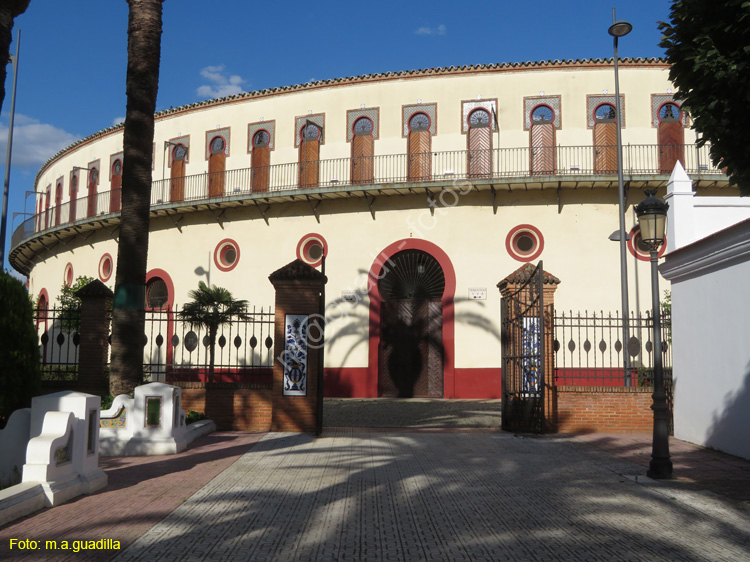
x: 142, y: 82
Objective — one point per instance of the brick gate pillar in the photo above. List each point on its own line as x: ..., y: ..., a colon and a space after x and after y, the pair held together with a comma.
x: 295, y: 368
x: 93, y: 352
x: 510, y: 285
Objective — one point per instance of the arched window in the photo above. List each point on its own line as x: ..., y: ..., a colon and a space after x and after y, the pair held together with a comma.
x: 115, y: 195
x: 605, y: 139
x: 177, y: 173
x: 58, y: 201
x: 671, y: 137
x: 157, y: 294
x: 419, y: 147
x: 309, y: 155
x: 479, y: 144
x: 216, y: 166
x: 261, y: 160
x: 542, y: 140
x: 93, y: 184
x: 73, y: 196
x: 363, y: 147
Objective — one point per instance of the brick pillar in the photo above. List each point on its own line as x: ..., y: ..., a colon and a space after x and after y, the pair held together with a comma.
x: 510, y: 285
x: 93, y: 352
x: 298, y: 292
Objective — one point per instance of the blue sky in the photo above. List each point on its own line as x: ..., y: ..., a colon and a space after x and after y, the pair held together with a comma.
x: 71, y: 78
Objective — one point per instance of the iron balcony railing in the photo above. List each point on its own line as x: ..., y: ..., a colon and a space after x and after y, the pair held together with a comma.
x: 375, y: 171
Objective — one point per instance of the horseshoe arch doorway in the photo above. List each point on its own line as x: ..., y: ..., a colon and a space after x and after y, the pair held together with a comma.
x: 411, y: 351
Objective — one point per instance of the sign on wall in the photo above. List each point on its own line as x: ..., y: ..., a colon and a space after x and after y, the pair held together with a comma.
x: 477, y: 293
x: 295, y: 355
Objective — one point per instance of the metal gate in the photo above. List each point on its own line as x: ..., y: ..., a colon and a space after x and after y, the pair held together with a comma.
x: 523, y: 375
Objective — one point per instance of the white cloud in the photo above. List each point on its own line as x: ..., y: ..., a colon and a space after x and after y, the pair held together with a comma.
x: 220, y: 84
x: 118, y: 120
x: 33, y: 142
x: 426, y: 30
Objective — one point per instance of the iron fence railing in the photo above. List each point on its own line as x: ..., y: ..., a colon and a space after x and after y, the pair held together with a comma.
x: 59, y: 340
x: 175, y: 350
x: 570, y: 161
x: 588, y: 349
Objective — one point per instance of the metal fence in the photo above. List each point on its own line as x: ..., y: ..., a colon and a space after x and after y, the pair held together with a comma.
x: 59, y: 340
x: 570, y: 161
x: 175, y: 350
x: 589, y: 350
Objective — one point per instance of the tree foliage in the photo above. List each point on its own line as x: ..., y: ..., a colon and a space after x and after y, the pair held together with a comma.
x: 19, y: 352
x: 708, y: 46
x: 210, y: 308
x: 70, y: 304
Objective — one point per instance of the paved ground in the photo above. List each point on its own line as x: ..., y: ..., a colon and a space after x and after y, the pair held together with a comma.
x: 407, y: 494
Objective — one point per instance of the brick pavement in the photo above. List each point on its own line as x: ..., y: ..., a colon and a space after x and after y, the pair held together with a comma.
x: 406, y: 494
x: 141, y: 492
x: 387, y: 495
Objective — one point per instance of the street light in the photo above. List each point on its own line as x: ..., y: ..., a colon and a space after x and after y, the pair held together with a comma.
x: 652, y: 220
x: 616, y: 30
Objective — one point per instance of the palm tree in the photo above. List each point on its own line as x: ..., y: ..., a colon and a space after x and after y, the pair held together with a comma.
x: 141, y: 86
x: 212, y: 307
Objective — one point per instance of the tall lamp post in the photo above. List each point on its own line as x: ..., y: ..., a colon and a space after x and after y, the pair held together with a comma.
x: 652, y: 220
x: 620, y: 29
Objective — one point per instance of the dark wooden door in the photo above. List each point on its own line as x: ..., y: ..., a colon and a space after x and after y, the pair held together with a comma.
x: 309, y: 156
x: 261, y: 161
x: 115, y: 194
x: 177, y: 174
x: 410, y: 355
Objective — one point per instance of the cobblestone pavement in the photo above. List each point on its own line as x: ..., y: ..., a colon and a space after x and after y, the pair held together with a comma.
x: 355, y: 494
x: 411, y: 412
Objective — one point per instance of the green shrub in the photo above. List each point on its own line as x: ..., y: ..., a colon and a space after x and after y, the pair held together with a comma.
x: 20, y: 376
x: 192, y: 416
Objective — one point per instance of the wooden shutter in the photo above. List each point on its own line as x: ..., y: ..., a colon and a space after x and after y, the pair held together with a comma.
x: 671, y: 145
x: 177, y: 183
x: 543, y: 149
x: 261, y: 170
x: 419, y: 166
x: 309, y: 156
x: 605, y: 148
x: 363, y: 147
x: 480, y: 152
x: 216, y: 174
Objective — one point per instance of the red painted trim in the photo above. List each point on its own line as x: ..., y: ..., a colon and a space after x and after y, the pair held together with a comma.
x: 348, y: 382
x: 376, y: 273
x: 102, y: 277
x: 303, y: 248
x: 164, y: 276
x: 479, y: 382
x: 217, y: 254
x: 635, y: 232
x: 518, y: 254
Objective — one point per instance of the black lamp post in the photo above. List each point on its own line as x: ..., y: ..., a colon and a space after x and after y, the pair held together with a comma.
x: 616, y: 30
x: 652, y: 220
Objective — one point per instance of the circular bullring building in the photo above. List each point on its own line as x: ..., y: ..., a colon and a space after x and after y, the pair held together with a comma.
x: 423, y: 189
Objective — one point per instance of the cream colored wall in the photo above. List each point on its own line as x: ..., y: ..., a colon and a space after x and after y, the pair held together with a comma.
x: 573, y: 84
x: 576, y: 250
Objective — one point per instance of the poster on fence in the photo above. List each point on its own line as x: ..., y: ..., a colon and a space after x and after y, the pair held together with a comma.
x: 295, y: 355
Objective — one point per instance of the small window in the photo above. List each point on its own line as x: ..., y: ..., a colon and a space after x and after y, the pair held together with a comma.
x: 542, y: 114
x: 310, y: 132
x: 524, y: 243
x: 261, y: 139
x: 105, y: 268
x: 479, y: 118
x: 68, y: 276
x: 363, y: 127
x: 419, y: 122
x: 669, y: 113
x: 227, y: 255
x: 217, y: 145
x: 157, y: 294
x: 180, y: 152
x: 117, y: 168
x: 605, y: 113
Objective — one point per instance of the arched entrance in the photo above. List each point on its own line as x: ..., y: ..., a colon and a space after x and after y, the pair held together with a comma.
x: 412, y: 284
